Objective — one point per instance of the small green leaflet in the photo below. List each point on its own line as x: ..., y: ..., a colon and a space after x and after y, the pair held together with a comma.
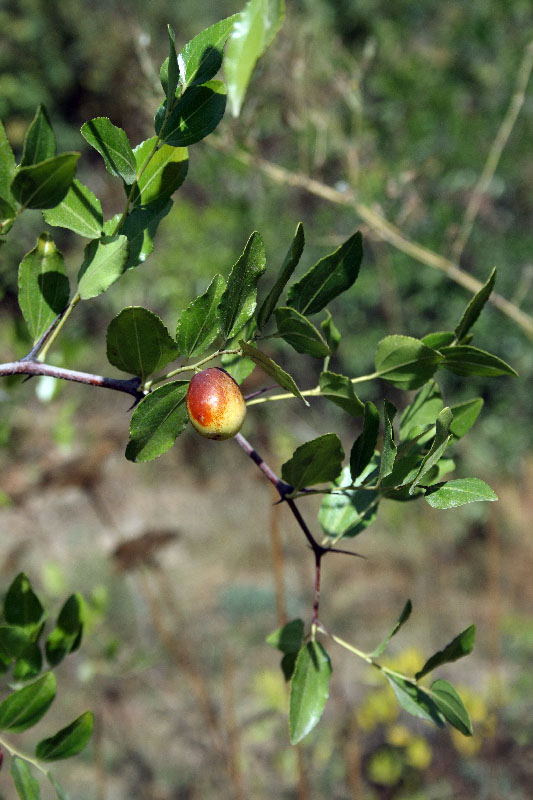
x: 475, y: 307
x: 414, y: 699
x: 67, y: 742
x: 459, y: 492
x: 317, y: 461
x: 45, y: 184
x: 301, y: 334
x: 459, y: 647
x: 139, y: 343
x: 102, y: 266
x: 271, y: 368
x: 39, y: 142
x: 80, y: 211
x: 438, y: 339
x: 365, y: 444
x: 348, y: 513
x: 405, y: 362
x: 332, y: 334
x: 201, y: 58
x: 287, y: 268
x: 329, y: 277
x: 195, y: 115
x: 388, y: 453
x: 451, y: 706
x: 253, y: 31
x: 164, y: 174
x: 438, y: 447
x: 43, y: 286
x: 157, y: 421
x: 309, y: 690
x: 468, y: 360
x: 402, y: 619
x: 25, y: 784
x: 24, y: 708
x: 198, y: 326
x: 66, y: 636
x: 238, y: 300
x: 338, y: 389
x: 113, y: 145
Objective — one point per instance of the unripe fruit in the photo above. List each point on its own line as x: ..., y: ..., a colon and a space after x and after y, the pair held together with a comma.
x: 215, y: 404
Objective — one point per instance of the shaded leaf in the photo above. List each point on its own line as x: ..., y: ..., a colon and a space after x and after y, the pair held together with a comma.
x: 13, y: 641
x: 423, y: 411
x: 287, y: 268
x: 238, y: 367
x: 69, y: 741
x: 415, y: 700
x: 195, y: 115
x: 402, y: 619
x: 253, y: 31
x: 309, y: 690
x: 438, y: 339
x: 29, y: 663
x: 164, y: 174
x: 139, y: 343
x: 459, y: 647
x: 43, y: 286
x: 458, y: 492
x: 438, y: 446
x: 22, y: 607
x: 45, y: 184
x: 348, y: 513
x: 464, y: 416
x: 317, y: 461
x: 451, y: 706
x: 172, y: 72
x: 288, y: 638
x: 271, y: 368
x: 329, y: 277
x: 468, y: 360
x: 301, y: 334
x: 39, y: 142
x: 201, y: 58
x: 238, y: 300
x: 198, y: 326
x: 331, y: 333
x: 405, y: 362
x: 24, y: 708
x: 475, y: 307
x: 7, y: 167
x: 157, y: 421
x: 102, y: 266
x: 25, y: 784
x: 66, y: 636
x: 140, y: 228
x: 388, y: 450
x: 113, y: 145
x: 365, y: 444
x: 79, y: 211
x: 338, y: 389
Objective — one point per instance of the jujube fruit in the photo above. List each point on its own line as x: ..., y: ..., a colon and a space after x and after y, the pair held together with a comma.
x: 215, y: 404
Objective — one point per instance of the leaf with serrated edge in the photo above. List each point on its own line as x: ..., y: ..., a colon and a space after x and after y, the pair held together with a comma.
x: 271, y: 368
x: 475, y: 307
x: 402, y: 619
x: 113, y: 145
x: 198, y: 326
x: 450, y: 704
x: 317, y: 461
x: 309, y: 690
x: 287, y: 268
x: 453, y: 494
x: 238, y: 300
x: 157, y: 421
x: 43, y: 286
x: 67, y: 742
x: 459, y: 647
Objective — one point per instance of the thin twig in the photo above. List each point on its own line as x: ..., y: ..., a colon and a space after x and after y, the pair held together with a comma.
x: 495, y: 152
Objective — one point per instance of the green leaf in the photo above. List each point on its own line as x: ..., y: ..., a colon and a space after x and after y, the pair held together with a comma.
x: 140, y: 228
x: 22, y: 607
x: 195, y: 115
x: 25, y: 784
x: 464, y: 416
x: 329, y: 277
x: 309, y: 690
x: 29, y: 663
x: 271, y: 368
x: 201, y: 58
x: 238, y: 367
x: 253, y: 31
x: 338, y: 389
x: 13, y: 641
x: 459, y: 647
x: 39, y: 142
x: 45, y: 184
x: 438, y: 471
x: 60, y: 792
x: 404, y: 471
x: 423, y: 411
x: 7, y: 217
x: 451, y: 706
x: 69, y: 741
x: 157, y: 421
x: 415, y: 700
x: 102, y: 266
x: 165, y: 172
x: 402, y: 619
x: 113, y: 145
x: 287, y: 268
x: 468, y: 360
x: 172, y: 72
x: 66, y: 636
x: 238, y: 300
x: 317, y: 461
x: 198, y: 326
x: 459, y: 492
x: 438, y: 446
x: 438, y: 339
x: 43, y: 286
x: 331, y: 333
x: 288, y: 638
x: 7, y: 167
x: 301, y: 334
x: 79, y: 211
x: 405, y: 362
x: 388, y: 451
x: 365, y: 444
x: 139, y: 343
x: 350, y: 512
x: 24, y: 708
x: 475, y: 307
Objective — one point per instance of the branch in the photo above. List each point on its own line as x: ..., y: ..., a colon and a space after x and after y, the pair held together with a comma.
x: 384, y: 229
x: 31, y: 367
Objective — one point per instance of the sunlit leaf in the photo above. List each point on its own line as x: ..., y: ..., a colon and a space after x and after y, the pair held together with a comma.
x: 238, y: 300
x: 198, y: 326
x: 459, y: 647
x: 309, y: 690
x: 25, y: 784
x: 201, y: 58
x: 349, y: 512
x: 113, y: 145
x: 164, y: 173
x: 414, y: 699
x: 139, y: 343
x: 468, y: 360
x: 459, y: 492
x: 271, y: 368
x: 451, y: 706
x: 69, y: 741
x: 195, y: 115
x: 157, y: 421
x: 39, y: 142
x: 102, y: 266
x: 24, y: 708
x: 438, y: 446
x: 317, y: 461
x: 405, y: 362
x: 43, y: 286
x: 80, y: 211
x: 45, y: 184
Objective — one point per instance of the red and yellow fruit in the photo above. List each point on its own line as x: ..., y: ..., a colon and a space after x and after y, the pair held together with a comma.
x: 215, y: 404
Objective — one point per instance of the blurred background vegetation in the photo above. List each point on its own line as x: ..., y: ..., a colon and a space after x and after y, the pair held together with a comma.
x: 399, y: 103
